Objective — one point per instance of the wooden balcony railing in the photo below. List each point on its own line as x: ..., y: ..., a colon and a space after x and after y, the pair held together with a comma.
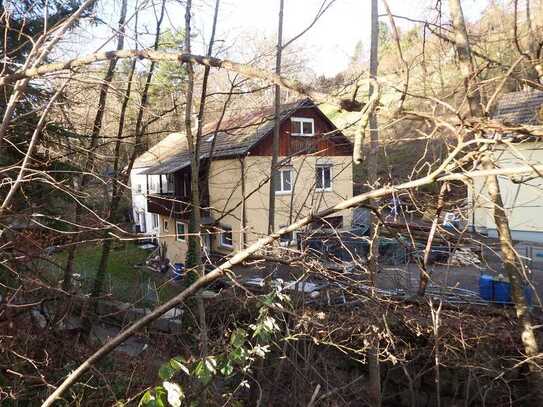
x: 174, y: 207
x: 169, y: 205
x: 302, y: 145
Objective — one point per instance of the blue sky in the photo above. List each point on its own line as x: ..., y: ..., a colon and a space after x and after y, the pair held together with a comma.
x: 327, y: 46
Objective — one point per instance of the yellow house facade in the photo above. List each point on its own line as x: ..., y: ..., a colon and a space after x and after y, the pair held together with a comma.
x: 315, y: 173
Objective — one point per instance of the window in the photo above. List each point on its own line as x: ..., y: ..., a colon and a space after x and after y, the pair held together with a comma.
x: 142, y: 222
x: 170, y: 183
x: 185, y: 184
x: 283, y: 180
x: 180, y: 231
x: 155, y: 221
x: 323, y: 180
x: 331, y: 222
x: 138, y: 188
x: 226, y: 237
x: 301, y: 126
x: 165, y: 225
x: 152, y: 183
x: 287, y: 239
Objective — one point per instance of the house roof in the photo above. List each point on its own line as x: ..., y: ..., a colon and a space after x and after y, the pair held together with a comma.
x: 522, y: 107
x: 234, y: 137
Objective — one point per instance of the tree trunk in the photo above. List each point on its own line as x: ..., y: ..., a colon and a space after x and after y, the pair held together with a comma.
x: 512, y: 264
x: 464, y: 57
x: 277, y: 122
x: 373, y: 354
x: 513, y: 268
x: 194, y: 256
x: 89, y: 161
x: 371, y: 159
x: 424, y: 272
x: 116, y: 194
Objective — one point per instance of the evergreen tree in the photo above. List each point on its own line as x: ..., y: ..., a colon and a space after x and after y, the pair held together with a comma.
x: 21, y: 25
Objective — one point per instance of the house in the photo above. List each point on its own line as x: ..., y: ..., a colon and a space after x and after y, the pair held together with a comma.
x: 522, y: 196
x: 142, y: 185
x: 315, y: 173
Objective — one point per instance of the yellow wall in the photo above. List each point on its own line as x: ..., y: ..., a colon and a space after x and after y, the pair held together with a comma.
x: 177, y: 250
x: 523, y: 201
x: 226, y: 197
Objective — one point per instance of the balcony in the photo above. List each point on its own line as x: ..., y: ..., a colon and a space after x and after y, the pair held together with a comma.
x: 303, y: 145
x: 169, y: 205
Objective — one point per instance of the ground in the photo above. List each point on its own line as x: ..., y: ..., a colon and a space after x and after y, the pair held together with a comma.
x: 463, y: 277
x: 127, y: 280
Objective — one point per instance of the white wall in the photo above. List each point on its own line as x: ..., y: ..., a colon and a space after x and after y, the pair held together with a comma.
x: 523, y: 201
x: 138, y: 185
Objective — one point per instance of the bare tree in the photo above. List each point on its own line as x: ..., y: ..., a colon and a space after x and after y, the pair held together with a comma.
x: 347, y: 321
x: 93, y: 143
x: 371, y: 163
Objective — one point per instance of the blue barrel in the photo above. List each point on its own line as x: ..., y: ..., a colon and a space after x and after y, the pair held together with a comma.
x: 502, y: 292
x: 486, y: 287
x: 178, y: 271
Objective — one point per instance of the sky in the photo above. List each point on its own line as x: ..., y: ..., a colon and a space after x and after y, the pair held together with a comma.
x: 327, y: 47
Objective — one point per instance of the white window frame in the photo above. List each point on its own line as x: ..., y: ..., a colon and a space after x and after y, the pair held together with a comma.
x: 319, y: 166
x: 178, y: 237
x: 303, y: 120
x: 153, y: 185
x: 282, y: 191
x: 222, y: 241
x: 292, y: 242
x: 155, y: 221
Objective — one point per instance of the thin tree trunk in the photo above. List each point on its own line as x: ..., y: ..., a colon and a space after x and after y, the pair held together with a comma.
x: 89, y: 161
x: 116, y: 192
x: 138, y: 146
x: 195, y: 229
x: 513, y: 267
x: 374, y: 367
x: 424, y: 273
x: 463, y: 50
x: 277, y: 122
x: 371, y: 159
x: 373, y: 354
x: 194, y: 248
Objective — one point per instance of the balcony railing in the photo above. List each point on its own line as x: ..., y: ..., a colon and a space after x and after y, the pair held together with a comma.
x: 169, y: 205
x: 303, y: 145
x: 174, y: 207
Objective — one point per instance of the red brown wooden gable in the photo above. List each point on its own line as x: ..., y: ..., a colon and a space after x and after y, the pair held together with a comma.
x: 321, y: 143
